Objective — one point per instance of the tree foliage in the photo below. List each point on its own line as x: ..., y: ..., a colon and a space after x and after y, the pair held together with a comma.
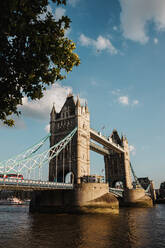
x: 34, y: 52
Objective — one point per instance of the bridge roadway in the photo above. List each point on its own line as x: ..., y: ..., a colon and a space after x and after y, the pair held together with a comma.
x: 18, y: 184
x: 108, y: 143
x: 117, y: 192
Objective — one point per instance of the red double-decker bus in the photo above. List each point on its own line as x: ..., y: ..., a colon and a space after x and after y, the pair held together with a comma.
x: 14, y: 176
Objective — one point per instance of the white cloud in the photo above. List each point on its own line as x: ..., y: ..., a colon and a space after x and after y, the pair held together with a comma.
x: 47, y: 128
x: 132, y: 150
x: 40, y: 109
x: 85, y: 41
x: 136, y: 14
x: 123, y: 100
x: 156, y: 41
x: 59, y: 12
x: 116, y: 92
x: 73, y: 3
x: 100, y: 44
x: 135, y: 102
x: 115, y: 28
x: 93, y: 82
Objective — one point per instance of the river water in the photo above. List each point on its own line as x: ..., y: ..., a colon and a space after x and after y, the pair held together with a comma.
x: 126, y: 228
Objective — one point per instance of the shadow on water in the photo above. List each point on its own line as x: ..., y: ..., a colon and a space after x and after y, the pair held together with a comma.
x: 129, y: 228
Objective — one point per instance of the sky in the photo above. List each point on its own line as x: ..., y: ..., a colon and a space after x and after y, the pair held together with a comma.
x: 121, y: 47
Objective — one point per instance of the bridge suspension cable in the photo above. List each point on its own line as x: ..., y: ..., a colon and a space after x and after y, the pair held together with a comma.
x: 137, y: 183
x: 32, y: 162
x: 25, y: 154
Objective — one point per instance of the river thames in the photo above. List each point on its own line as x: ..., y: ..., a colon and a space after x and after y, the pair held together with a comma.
x: 126, y: 228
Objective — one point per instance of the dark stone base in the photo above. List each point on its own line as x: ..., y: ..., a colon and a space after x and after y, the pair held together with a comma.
x: 144, y: 202
x: 83, y: 199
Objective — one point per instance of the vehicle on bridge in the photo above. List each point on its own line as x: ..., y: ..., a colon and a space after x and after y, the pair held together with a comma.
x: 92, y: 179
x: 12, y: 176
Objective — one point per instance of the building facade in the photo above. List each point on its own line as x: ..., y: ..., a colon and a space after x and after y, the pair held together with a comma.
x: 75, y: 158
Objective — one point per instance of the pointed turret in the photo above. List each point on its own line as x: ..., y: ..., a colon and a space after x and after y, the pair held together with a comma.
x: 124, y: 139
x: 78, y: 102
x: 86, y: 108
x: 53, y: 114
x: 78, y: 106
x: 69, y: 95
x: 115, y: 137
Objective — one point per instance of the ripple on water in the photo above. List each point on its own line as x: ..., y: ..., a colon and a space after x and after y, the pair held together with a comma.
x: 134, y: 228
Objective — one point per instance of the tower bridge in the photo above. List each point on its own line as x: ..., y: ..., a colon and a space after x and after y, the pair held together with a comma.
x: 71, y: 139
x: 114, y: 149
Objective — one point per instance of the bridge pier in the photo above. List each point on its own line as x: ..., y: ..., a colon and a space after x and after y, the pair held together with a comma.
x: 85, y: 197
x: 136, y: 198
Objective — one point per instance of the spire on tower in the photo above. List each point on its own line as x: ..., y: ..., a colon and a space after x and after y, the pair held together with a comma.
x: 86, y: 107
x: 69, y: 95
x: 53, y: 113
x: 78, y: 102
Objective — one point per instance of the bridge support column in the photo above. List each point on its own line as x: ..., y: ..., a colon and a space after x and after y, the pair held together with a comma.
x: 83, y: 141
x: 136, y: 198
x: 128, y: 180
x: 117, y: 165
x: 76, y: 159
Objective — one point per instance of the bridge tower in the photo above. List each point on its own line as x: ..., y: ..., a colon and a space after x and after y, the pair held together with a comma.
x: 75, y: 157
x: 117, y: 166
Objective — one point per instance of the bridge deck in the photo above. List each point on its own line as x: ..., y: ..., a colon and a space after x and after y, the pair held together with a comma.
x: 105, y: 142
x: 17, y: 184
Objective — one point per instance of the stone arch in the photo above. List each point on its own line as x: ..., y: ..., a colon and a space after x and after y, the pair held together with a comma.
x: 69, y: 177
x: 118, y: 184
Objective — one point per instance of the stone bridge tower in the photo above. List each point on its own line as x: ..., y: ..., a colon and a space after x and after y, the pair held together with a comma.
x: 117, y: 166
x: 75, y: 157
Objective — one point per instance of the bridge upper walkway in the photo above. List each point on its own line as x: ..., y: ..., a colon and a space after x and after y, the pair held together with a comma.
x: 108, y: 143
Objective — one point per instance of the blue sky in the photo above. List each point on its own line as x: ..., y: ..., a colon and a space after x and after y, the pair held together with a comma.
x: 121, y: 47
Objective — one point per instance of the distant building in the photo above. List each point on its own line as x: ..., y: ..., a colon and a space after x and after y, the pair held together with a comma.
x: 162, y: 190
x: 144, y: 182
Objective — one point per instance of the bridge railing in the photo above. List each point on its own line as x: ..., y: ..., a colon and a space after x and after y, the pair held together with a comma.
x: 115, y: 191
x: 34, y: 183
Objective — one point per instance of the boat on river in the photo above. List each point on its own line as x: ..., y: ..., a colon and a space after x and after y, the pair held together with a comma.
x: 14, y: 201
